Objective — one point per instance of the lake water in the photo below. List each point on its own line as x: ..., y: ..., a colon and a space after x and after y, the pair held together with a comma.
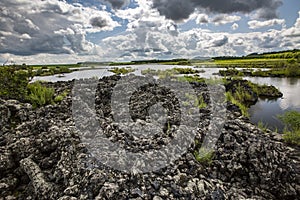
x: 265, y: 111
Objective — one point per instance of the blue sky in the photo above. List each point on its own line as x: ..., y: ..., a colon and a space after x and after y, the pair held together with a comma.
x: 56, y: 31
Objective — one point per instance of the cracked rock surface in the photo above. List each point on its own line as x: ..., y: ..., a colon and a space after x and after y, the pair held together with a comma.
x: 43, y: 155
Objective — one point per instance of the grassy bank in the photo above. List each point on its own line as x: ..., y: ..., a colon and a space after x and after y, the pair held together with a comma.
x: 289, y: 70
x: 244, y: 93
x: 291, y: 133
x: 15, y: 84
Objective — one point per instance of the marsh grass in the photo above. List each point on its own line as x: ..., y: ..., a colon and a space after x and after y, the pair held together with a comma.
x: 121, y: 70
x: 40, y: 95
x: 204, y: 155
x: 262, y: 126
x: 291, y: 133
x: 61, y: 96
x: 231, y: 98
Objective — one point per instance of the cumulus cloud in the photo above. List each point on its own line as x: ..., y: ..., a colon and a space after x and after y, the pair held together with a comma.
x: 225, y: 19
x: 220, y: 41
x: 254, y: 24
x: 53, y: 30
x: 145, y: 26
x: 294, y: 31
x: 178, y: 10
x: 202, y: 19
x: 49, y: 26
x: 234, y: 26
x: 98, y: 22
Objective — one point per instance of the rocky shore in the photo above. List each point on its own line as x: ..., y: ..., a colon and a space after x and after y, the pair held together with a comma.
x: 42, y: 155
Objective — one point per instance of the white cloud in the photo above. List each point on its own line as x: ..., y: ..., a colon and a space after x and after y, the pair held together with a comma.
x: 254, y: 24
x: 60, y: 30
x: 225, y: 19
x: 202, y: 19
x: 234, y: 26
x: 49, y: 26
x: 293, y: 32
x: 217, y: 20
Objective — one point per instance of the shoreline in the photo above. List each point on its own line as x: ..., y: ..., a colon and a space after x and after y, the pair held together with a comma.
x: 44, y: 156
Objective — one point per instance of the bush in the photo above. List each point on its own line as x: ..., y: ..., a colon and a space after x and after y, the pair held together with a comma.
x: 14, y: 81
x: 40, y: 95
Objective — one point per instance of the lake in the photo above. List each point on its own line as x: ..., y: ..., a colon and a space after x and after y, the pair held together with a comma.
x: 264, y: 111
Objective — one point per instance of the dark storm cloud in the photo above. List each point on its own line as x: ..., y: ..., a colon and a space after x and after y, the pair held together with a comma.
x: 98, y: 22
x: 179, y: 10
x: 117, y: 4
x: 202, y: 19
x: 174, y: 9
x: 220, y: 42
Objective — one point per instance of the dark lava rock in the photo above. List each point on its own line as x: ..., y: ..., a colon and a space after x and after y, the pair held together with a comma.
x: 42, y: 155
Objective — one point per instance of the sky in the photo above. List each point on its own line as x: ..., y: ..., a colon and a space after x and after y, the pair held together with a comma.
x: 71, y: 31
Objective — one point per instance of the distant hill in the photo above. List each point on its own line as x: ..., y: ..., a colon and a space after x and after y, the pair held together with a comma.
x: 201, y: 58
x: 295, y: 53
x: 287, y: 54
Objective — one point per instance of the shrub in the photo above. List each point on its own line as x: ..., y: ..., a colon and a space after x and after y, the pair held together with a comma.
x: 14, y: 81
x: 40, y: 95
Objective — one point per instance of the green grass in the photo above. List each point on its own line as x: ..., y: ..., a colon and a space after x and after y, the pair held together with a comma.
x: 52, y: 71
x: 292, y: 137
x: 187, y: 70
x: 231, y: 98
x: 56, y: 66
x: 61, y: 96
x: 122, y: 70
x: 245, y: 93
x: 288, y: 70
x: 262, y: 126
x: 191, y: 79
x: 291, y: 133
x: 170, y: 72
x: 40, y: 95
x: 264, y: 90
x: 198, y: 101
x: 204, y: 155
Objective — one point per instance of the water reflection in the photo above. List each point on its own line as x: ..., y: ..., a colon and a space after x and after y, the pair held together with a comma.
x: 263, y: 111
x: 290, y: 87
x: 267, y: 111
